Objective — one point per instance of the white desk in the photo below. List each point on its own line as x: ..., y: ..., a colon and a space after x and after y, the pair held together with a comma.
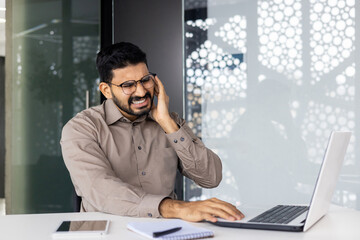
x: 339, y: 223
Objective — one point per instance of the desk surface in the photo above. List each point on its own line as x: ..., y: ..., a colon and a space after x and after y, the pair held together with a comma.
x: 339, y: 223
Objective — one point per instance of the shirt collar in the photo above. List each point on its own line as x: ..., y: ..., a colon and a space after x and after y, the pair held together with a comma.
x: 112, y: 114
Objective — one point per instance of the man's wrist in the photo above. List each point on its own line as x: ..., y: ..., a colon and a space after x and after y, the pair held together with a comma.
x: 169, y: 208
x: 168, y: 125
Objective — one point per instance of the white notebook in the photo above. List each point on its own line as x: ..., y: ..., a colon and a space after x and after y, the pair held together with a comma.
x: 187, y: 231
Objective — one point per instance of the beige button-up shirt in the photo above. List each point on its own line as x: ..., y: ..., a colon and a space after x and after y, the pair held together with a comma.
x: 127, y: 168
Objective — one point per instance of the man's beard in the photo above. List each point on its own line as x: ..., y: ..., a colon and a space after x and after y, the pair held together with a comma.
x: 128, y: 110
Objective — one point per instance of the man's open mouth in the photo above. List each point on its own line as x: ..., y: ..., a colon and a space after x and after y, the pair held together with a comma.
x: 139, y: 101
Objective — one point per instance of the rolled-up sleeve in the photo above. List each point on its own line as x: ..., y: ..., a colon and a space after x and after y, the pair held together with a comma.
x: 94, y: 179
x: 196, y: 161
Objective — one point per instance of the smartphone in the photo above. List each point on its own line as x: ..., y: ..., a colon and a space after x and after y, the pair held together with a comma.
x: 84, y: 228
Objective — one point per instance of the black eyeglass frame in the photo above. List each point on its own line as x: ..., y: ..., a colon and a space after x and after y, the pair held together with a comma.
x: 136, y: 81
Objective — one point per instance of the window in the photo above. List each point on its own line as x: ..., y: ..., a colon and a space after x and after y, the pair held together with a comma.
x: 52, y: 54
x: 266, y: 82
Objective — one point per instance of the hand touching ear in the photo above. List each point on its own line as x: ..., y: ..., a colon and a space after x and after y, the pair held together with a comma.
x: 160, y: 112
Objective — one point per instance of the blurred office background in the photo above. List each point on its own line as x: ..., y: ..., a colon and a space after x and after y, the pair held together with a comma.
x: 266, y: 82
x: 2, y: 106
x: 262, y: 82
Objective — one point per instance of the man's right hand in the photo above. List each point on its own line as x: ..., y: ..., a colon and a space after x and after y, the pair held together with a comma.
x: 199, y: 210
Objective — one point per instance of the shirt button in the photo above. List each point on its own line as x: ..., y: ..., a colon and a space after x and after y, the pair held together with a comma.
x: 143, y: 173
x: 149, y: 214
x: 175, y: 141
x: 182, y: 139
x: 134, y: 124
x: 139, y: 147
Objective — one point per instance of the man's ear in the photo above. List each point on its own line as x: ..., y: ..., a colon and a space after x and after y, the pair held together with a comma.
x: 105, y: 89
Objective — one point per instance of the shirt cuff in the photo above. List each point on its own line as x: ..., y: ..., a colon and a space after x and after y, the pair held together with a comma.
x: 180, y: 139
x: 149, y: 206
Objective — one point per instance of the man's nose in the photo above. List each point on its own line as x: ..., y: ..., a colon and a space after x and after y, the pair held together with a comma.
x: 140, y: 90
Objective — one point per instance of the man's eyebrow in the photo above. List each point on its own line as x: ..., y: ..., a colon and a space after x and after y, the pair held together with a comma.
x: 138, y: 79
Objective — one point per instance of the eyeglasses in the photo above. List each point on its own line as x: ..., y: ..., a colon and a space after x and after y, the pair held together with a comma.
x: 129, y: 87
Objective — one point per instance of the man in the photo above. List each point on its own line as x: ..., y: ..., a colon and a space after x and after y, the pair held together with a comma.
x: 123, y: 155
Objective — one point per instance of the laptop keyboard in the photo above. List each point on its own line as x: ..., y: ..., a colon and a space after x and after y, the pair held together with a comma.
x: 282, y: 214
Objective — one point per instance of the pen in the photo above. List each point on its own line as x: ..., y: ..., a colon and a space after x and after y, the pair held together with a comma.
x: 162, y: 233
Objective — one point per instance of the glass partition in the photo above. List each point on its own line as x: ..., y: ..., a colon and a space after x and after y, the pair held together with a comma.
x: 53, y: 77
x: 266, y: 81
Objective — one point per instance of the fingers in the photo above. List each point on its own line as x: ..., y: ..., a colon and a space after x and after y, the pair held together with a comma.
x: 159, y: 91
x: 159, y: 87
x: 219, y: 212
x: 209, y: 217
x: 212, y: 208
x: 207, y: 210
x: 223, y: 209
x: 231, y: 209
x: 156, y: 88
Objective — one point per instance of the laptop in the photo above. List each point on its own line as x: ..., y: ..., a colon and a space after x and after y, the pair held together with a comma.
x: 299, y: 218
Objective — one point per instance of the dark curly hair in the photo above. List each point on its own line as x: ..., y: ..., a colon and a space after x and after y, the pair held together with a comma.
x: 118, y: 55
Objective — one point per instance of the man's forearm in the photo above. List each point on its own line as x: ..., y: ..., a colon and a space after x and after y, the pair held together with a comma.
x: 197, y: 162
